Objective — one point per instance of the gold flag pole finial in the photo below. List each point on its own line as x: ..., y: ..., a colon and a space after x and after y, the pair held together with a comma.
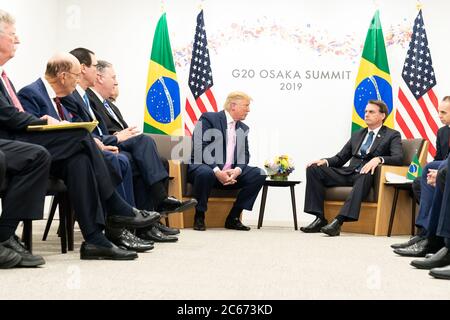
x: 200, y: 6
x: 419, y: 5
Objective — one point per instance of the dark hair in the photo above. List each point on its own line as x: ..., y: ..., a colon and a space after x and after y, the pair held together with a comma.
x: 83, y: 55
x: 382, y: 107
x: 446, y: 98
x: 102, y: 65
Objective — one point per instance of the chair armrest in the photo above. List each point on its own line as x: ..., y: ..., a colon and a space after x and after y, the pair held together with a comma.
x: 175, y: 183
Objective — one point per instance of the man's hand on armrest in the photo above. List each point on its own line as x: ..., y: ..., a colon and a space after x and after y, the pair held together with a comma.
x: 50, y: 120
x: 371, y: 166
x: 319, y: 163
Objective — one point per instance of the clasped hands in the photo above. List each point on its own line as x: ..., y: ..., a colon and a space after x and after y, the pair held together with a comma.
x: 431, y: 177
x: 228, y: 177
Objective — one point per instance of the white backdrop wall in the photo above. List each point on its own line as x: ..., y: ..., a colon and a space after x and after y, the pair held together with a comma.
x: 245, y: 37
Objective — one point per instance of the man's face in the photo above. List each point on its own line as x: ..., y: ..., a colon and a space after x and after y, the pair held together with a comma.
x: 70, y: 79
x: 90, y: 73
x: 444, y: 112
x: 373, y: 117
x: 8, y: 41
x: 107, y: 82
x: 239, y: 109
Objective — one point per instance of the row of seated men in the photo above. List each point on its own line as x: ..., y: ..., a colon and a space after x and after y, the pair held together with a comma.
x: 108, y: 174
x: 115, y: 170
x: 431, y: 191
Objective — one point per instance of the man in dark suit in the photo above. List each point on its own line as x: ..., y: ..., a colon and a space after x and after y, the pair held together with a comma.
x: 366, y: 149
x: 437, y: 257
x: 27, y: 167
x: 150, y: 174
x: 419, y: 245
x: 219, y: 159
x: 79, y: 105
x: 75, y: 159
x: 45, y: 97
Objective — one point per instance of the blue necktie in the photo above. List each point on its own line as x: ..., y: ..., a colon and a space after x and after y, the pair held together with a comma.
x: 91, y: 112
x: 366, y: 145
x: 110, y: 111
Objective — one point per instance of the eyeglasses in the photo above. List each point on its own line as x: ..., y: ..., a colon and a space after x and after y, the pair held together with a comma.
x: 77, y: 75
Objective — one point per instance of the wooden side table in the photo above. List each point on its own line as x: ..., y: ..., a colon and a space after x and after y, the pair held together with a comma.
x: 275, y: 183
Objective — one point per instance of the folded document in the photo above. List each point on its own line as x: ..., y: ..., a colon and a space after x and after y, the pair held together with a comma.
x: 89, y: 126
x: 396, y: 178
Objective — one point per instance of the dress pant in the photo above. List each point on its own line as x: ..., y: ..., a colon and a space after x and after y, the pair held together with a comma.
x: 427, y: 195
x: 143, y: 155
x: 77, y: 160
x: 250, y: 181
x: 318, y: 178
x: 121, y: 165
x: 443, y: 229
x: 27, y: 169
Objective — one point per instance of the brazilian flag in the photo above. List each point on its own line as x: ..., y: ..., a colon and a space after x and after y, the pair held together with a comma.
x: 373, y: 81
x: 415, y: 169
x: 162, y: 111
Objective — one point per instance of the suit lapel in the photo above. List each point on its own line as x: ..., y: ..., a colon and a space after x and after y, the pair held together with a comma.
x: 378, y: 138
x: 48, y: 101
x: 5, y: 93
x: 359, y: 140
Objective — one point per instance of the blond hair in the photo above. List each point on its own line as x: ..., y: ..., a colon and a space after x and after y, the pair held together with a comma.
x: 235, y: 96
x: 6, y: 18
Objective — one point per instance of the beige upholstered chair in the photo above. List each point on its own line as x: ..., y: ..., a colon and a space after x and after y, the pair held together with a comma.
x: 178, y: 151
x: 375, y: 210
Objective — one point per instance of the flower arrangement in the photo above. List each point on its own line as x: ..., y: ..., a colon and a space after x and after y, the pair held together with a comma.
x: 280, y: 168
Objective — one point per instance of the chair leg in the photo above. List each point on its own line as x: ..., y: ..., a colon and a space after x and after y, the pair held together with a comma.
x: 167, y: 222
x: 63, y: 218
x: 394, y: 206
x: 53, y: 207
x: 27, y: 234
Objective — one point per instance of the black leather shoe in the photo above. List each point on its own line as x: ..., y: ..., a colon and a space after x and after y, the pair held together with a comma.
x: 333, y: 229
x: 168, y: 231
x: 418, y: 249
x: 124, y: 238
x: 8, y: 258
x: 28, y: 259
x: 441, y: 273
x: 438, y: 260
x: 90, y: 251
x: 235, y: 224
x: 408, y: 243
x: 315, y: 226
x: 141, y: 219
x: 171, y: 204
x: 154, y: 234
x: 199, y: 223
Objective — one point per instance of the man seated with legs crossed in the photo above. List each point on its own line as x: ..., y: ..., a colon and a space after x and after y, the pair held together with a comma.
x: 366, y: 150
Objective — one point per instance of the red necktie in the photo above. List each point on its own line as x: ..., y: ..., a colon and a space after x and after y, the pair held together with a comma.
x: 11, y: 92
x: 60, y: 108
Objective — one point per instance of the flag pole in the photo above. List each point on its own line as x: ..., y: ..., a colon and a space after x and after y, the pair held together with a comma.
x: 163, y: 9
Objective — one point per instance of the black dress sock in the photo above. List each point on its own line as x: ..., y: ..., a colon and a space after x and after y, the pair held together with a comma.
x: 234, y: 213
x: 115, y: 205
x: 98, y: 238
x: 158, y: 192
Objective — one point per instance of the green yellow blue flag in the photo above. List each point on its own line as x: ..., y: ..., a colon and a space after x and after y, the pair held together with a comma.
x: 415, y: 169
x: 373, y: 81
x: 162, y: 111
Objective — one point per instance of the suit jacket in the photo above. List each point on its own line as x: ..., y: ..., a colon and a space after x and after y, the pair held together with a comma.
x: 442, y: 143
x: 387, y: 145
x: 75, y: 104
x: 36, y: 100
x: 111, y: 123
x: 213, y: 143
x: 11, y: 119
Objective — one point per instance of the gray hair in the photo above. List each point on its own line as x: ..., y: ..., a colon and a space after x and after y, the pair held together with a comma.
x: 102, y: 65
x: 6, y: 18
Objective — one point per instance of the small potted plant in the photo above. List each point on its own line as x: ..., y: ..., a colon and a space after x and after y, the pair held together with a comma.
x: 280, y: 168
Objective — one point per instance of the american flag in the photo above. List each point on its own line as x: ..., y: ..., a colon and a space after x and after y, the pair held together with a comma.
x: 417, y: 115
x: 200, y: 97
